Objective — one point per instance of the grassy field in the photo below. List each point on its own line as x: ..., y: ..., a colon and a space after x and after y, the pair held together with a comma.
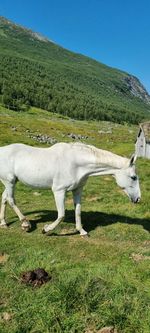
x: 99, y: 281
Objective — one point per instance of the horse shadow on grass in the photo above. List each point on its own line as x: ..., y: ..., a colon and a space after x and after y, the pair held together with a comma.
x: 90, y: 220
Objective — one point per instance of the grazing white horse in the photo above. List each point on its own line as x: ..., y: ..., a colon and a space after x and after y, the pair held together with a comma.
x: 62, y: 167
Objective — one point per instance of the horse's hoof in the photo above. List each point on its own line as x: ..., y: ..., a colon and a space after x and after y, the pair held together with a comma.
x: 26, y: 226
x: 46, y: 230
x: 86, y: 236
x: 47, y: 233
x: 4, y: 226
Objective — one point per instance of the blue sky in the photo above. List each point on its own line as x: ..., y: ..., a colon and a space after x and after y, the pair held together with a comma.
x: 115, y: 32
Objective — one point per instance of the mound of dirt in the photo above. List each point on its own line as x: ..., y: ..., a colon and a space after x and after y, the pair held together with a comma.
x: 36, y: 278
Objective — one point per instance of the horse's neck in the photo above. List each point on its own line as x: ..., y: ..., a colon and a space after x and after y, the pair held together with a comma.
x: 98, y: 160
x: 109, y: 159
x: 104, y: 159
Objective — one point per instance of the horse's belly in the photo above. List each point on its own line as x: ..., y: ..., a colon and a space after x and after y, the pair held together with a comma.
x: 34, y: 181
x: 35, y: 177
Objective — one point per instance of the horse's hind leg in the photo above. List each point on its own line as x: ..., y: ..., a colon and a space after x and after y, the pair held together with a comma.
x: 9, y: 196
x: 3, y: 208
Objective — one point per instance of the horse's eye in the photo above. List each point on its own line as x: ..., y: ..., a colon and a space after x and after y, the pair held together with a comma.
x: 134, y: 177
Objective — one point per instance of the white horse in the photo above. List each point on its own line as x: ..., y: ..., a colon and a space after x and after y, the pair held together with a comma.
x: 62, y: 167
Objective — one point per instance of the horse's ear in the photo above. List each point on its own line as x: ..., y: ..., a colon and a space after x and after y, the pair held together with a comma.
x: 133, y: 159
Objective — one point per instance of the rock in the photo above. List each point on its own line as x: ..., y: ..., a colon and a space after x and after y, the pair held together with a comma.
x: 43, y: 138
x: 6, y: 316
x: 136, y: 88
x: 13, y: 128
x: 36, y: 193
x: 77, y: 136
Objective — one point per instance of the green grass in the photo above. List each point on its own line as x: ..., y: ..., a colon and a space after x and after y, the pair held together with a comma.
x: 100, y: 281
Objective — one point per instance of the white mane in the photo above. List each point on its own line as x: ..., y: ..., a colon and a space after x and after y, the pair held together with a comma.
x: 103, y: 156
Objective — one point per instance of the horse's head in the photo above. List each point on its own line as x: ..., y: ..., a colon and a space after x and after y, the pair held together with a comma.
x: 128, y: 180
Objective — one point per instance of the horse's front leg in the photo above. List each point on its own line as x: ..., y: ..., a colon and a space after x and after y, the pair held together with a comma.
x: 77, y: 203
x: 60, y: 205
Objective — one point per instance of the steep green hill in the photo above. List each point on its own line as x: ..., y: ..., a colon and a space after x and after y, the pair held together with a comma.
x: 36, y: 72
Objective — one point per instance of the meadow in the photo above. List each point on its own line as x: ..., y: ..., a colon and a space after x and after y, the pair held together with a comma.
x: 99, y: 281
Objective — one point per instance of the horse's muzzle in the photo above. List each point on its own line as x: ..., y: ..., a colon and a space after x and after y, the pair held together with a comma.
x: 136, y: 200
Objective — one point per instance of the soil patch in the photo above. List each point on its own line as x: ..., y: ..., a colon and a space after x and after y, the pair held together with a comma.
x: 3, y: 257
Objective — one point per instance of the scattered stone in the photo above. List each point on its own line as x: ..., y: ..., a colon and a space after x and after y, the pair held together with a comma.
x: 53, y: 261
x: 36, y: 278
x: 36, y: 193
x: 13, y: 128
x: 6, y: 316
x: 77, y: 136
x: 42, y: 138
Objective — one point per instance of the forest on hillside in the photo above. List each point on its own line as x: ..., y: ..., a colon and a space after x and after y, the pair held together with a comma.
x: 25, y: 83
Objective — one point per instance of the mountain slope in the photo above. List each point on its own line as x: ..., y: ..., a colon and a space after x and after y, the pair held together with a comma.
x: 37, y: 72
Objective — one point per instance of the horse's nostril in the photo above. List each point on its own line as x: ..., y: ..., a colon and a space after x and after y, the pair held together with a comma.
x: 137, y: 200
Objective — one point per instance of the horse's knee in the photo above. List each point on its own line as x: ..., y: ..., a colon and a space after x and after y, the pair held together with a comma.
x: 4, y: 197
x: 11, y: 202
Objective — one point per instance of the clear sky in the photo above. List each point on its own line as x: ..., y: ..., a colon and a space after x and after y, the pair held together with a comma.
x: 114, y: 32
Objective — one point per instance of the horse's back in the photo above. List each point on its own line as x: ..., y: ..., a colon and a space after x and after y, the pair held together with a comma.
x: 33, y: 165
x: 42, y: 167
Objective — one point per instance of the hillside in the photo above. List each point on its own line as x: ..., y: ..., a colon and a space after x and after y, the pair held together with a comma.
x: 34, y: 71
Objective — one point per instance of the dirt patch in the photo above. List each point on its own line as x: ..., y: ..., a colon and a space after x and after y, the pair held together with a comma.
x: 108, y: 179
x: 146, y: 244
x: 68, y: 231
x: 107, y: 330
x: 139, y: 257
x: 3, y: 257
x: 35, y: 278
x: 69, y: 201
x: 5, y: 316
x: 110, y: 329
x: 94, y: 198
